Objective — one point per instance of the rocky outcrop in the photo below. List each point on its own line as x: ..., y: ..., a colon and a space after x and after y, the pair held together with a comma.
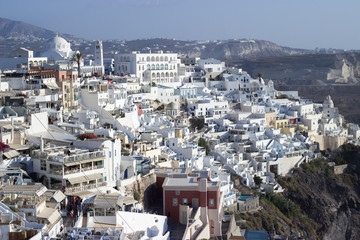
x: 331, y: 201
x: 312, y: 69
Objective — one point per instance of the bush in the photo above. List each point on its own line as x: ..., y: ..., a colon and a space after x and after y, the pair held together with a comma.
x: 86, y: 136
x: 137, y: 196
x: 3, y: 146
x: 287, y: 207
x: 202, y: 143
x: 257, y: 180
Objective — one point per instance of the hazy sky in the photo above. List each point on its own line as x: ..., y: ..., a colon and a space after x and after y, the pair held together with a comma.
x: 293, y: 23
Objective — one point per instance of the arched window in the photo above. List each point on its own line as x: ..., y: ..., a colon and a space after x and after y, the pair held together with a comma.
x: 166, y: 66
x: 157, y: 58
x: 148, y: 66
x: 171, y: 74
x: 157, y: 67
x: 143, y: 59
x: 162, y: 66
x: 158, y: 75
x: 166, y: 58
x: 153, y: 66
x: 153, y: 75
x: 161, y: 58
x: 148, y: 59
x: 143, y: 67
x: 153, y: 59
x: 167, y: 75
x: 162, y: 75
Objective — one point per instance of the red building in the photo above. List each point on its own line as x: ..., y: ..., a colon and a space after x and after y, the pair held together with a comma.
x: 183, y: 193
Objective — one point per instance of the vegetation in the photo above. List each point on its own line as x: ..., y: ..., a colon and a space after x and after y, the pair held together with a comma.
x: 257, y: 180
x: 3, y: 146
x: 137, y: 196
x: 86, y: 136
x: 259, y: 75
x: 197, y: 123
x: 284, y: 96
x: 77, y: 58
x: 202, y: 143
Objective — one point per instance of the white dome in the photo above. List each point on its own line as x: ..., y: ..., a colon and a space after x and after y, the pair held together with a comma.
x: 57, y: 48
x: 58, y: 43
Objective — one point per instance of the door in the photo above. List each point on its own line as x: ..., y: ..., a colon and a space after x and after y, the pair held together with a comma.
x: 195, y: 203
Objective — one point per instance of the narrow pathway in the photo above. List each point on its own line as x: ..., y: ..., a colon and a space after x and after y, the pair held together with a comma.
x: 176, y: 230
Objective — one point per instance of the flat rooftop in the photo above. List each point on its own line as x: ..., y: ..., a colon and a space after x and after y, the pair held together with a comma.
x: 37, y: 189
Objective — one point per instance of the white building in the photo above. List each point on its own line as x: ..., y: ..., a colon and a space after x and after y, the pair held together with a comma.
x: 149, y: 67
x: 57, y: 48
x: 90, y: 164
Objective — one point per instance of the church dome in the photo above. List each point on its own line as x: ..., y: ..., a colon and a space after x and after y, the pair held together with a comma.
x: 58, y: 43
x: 57, y: 48
x: 171, y: 106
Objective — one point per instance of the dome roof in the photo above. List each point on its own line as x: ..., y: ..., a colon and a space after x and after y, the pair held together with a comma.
x: 171, y: 106
x: 58, y: 43
x: 57, y: 40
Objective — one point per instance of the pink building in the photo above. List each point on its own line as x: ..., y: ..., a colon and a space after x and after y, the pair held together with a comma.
x: 195, y: 202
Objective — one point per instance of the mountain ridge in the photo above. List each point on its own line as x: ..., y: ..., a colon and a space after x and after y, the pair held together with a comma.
x: 23, y: 34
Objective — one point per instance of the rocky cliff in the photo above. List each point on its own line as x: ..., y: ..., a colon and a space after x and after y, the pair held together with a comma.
x: 310, y: 69
x: 316, y: 203
x: 332, y: 201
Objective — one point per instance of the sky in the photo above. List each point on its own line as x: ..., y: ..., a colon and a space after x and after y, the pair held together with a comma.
x: 293, y: 23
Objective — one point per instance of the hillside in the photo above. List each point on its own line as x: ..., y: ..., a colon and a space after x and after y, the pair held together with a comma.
x: 14, y: 34
x: 309, y: 69
x: 316, y: 204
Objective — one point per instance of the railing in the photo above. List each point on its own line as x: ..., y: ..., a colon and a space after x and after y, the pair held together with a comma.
x: 84, y: 187
x: 84, y: 156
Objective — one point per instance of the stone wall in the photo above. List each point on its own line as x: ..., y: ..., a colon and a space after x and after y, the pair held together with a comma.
x: 250, y: 204
x: 328, y: 142
x: 146, y: 186
x: 340, y: 169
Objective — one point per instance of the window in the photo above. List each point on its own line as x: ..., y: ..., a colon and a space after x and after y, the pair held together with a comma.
x: 177, y: 192
x: 211, y: 202
x: 175, y: 202
x: 185, y: 201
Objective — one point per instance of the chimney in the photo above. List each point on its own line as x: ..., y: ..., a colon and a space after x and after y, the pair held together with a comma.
x: 12, y: 129
x: 41, y: 143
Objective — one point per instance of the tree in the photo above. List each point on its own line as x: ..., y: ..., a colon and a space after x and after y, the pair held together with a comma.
x: 86, y: 136
x: 137, y: 196
x: 257, y: 180
x: 202, y: 143
x: 77, y: 58
x: 259, y: 75
x: 197, y: 123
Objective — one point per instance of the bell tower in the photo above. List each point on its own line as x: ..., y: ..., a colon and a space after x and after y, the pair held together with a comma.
x: 99, y: 58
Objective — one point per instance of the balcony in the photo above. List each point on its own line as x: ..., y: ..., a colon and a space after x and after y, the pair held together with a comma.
x: 84, y: 187
x: 98, y: 155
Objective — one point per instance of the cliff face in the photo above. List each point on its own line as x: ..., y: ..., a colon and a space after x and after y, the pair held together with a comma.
x: 242, y: 49
x: 332, y: 201
x: 314, y: 69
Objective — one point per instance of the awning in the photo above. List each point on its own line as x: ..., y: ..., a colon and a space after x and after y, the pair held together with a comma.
x: 79, y: 161
x: 58, y: 196
x: 11, y: 154
x: 50, y: 214
x: 50, y: 84
x: 19, y: 146
x: 94, y: 176
x: 126, y: 201
x: 8, y: 126
x: 55, y: 216
x: 77, y: 180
